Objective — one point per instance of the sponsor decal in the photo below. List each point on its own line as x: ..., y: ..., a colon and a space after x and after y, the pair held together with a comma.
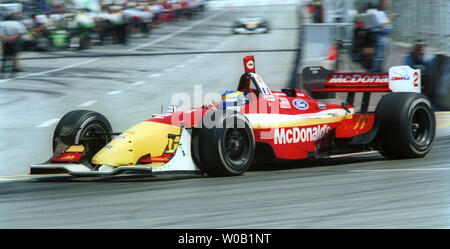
x: 362, y: 120
x: 358, y: 78
x: 258, y: 78
x: 266, y: 91
x: 401, y: 76
x: 322, y: 106
x: 296, y: 134
x: 300, y: 104
x: 250, y: 64
x: 268, y: 97
x: 68, y: 158
x: 284, y: 103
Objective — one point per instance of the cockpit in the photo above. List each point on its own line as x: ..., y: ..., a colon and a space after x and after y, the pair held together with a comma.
x: 250, y: 84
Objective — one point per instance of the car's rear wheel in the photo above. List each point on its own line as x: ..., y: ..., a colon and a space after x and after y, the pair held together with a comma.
x: 408, y: 125
x: 88, y: 128
x: 226, y: 145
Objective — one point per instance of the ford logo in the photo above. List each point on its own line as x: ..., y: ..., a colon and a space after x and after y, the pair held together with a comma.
x: 300, y: 104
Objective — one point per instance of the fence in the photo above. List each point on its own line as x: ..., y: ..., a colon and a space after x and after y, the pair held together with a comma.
x: 428, y: 20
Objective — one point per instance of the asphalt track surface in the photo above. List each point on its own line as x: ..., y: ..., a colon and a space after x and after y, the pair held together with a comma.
x: 363, y: 191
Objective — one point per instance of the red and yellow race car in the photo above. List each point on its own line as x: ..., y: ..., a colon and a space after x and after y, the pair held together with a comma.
x: 254, y: 123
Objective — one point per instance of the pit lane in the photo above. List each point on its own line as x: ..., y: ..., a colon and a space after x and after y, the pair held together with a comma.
x: 363, y: 191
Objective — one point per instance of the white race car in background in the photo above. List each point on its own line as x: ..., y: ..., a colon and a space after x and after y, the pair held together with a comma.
x: 249, y: 25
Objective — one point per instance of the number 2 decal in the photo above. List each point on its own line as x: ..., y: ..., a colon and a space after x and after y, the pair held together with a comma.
x: 416, y: 78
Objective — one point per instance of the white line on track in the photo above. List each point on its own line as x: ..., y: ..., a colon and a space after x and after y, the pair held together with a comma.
x: 48, y: 123
x: 168, y: 69
x: 177, y: 32
x: 50, y: 71
x: 198, y: 57
x: 393, y: 170
x: 131, y: 49
x: 114, y: 92
x: 87, y: 103
x: 138, y: 83
x: 154, y: 75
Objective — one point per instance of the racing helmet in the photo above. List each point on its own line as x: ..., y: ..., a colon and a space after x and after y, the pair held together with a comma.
x: 233, y: 99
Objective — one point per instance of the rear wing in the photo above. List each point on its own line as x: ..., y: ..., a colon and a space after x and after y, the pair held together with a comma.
x: 399, y: 79
x: 322, y: 83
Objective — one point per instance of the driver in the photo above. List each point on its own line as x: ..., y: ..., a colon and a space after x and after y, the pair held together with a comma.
x: 233, y: 98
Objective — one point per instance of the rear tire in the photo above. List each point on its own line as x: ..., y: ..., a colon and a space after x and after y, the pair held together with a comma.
x: 227, y: 148
x: 77, y: 127
x: 407, y: 125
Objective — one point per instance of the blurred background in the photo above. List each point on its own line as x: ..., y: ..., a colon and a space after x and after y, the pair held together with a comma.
x: 126, y: 59
x: 376, y: 35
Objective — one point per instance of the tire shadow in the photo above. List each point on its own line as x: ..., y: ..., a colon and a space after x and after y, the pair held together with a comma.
x: 311, y: 163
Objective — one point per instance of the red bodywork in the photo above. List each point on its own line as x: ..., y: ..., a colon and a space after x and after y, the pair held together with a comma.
x: 293, y: 123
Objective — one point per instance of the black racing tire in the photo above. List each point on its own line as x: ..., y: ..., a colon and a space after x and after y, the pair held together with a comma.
x: 76, y: 127
x: 266, y: 24
x: 233, y: 30
x: 407, y: 125
x: 225, y: 147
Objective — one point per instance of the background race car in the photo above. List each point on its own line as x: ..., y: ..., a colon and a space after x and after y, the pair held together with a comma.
x: 250, y: 25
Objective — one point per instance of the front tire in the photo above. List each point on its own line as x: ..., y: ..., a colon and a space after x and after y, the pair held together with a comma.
x: 227, y: 147
x: 80, y: 127
x: 408, y: 125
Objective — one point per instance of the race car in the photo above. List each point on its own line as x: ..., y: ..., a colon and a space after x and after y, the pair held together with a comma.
x: 250, y: 25
x: 251, y: 123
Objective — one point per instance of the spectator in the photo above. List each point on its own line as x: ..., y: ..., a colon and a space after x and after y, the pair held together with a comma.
x: 379, y: 33
x: 418, y: 60
x: 10, y: 34
x: 157, y: 10
x: 119, y: 25
x: 318, y: 11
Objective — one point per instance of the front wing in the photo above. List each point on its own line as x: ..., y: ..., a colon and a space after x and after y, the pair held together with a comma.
x: 182, y: 162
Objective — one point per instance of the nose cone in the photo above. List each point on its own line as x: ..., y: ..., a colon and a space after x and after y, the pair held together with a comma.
x: 142, y: 139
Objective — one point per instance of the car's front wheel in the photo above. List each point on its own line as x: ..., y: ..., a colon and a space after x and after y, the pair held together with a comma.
x: 82, y: 127
x: 225, y: 144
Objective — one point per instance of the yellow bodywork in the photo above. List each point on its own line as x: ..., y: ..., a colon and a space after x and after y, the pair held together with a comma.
x: 76, y: 148
x: 144, y: 138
